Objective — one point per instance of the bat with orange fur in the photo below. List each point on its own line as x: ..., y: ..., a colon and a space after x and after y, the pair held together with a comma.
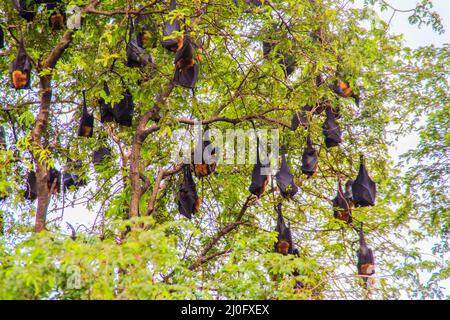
x: 20, y: 69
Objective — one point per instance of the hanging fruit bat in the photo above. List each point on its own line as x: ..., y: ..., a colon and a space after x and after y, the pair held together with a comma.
x: 57, y: 18
x: 106, y: 111
x: 53, y: 181
x: 137, y: 57
x: 342, y: 89
x: 186, y: 68
x: 285, y: 180
x: 259, y: 179
x: 364, y: 190
x: 310, y: 162
x: 284, y: 238
x: 2, y: 38
x: 207, y: 155
x: 331, y: 130
x: 123, y: 111
x: 298, y: 118
x: 86, y: 128
x: 31, y: 188
x: 26, y: 8
x: 366, y: 261
x: 2, y: 138
x: 171, y: 44
x: 21, y: 69
x: 188, y: 201
x: 100, y: 154
x: 342, y: 205
x: 72, y: 179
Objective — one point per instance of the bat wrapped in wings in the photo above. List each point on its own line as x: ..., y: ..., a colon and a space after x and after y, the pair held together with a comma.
x: 285, y: 179
x: 186, y: 67
x: 31, y: 187
x: 260, y: 174
x: 188, y: 200
x: 124, y: 109
x: 366, y: 260
x: 364, y: 190
x: 86, y: 127
x: 284, y: 239
x: 204, y: 156
x: 342, y: 205
x: 331, y: 129
x: 106, y: 111
x: 310, y: 162
x: 53, y: 181
x: 21, y: 69
x: 171, y: 44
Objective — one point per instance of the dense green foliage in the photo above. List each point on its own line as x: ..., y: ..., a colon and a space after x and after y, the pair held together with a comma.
x: 166, y: 256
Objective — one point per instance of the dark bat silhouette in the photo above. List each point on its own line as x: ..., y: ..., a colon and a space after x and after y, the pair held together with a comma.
x: 2, y: 138
x: 21, y: 69
x: 137, y: 57
x: 26, y: 8
x: 171, y: 44
x: 69, y: 178
x: 86, y: 127
x: 186, y: 68
x: 364, y: 189
x: 342, y: 205
x: 207, y: 152
x: 259, y: 180
x: 188, y: 201
x: 342, y: 89
x: 299, y: 118
x: 31, y: 187
x: 366, y: 261
x: 100, y: 154
x: 284, y: 238
x: 57, y: 18
x: 285, y: 180
x: 2, y: 38
x: 331, y: 130
x: 310, y: 161
x: 123, y: 110
x: 106, y: 111
x: 53, y: 181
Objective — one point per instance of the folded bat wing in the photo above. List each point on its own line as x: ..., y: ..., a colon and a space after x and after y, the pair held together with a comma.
x: 187, y: 197
x: 309, y: 160
x: 331, y: 130
x: 364, y: 189
x: 137, y: 57
x: 285, y: 179
x: 123, y: 111
x: 187, y: 78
